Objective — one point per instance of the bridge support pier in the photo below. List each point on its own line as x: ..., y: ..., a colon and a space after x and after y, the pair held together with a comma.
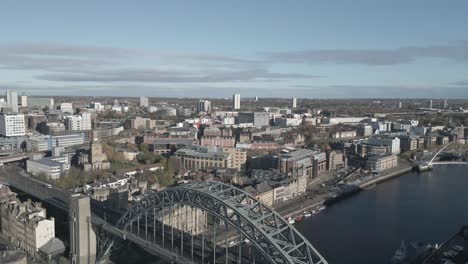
x: 82, y: 236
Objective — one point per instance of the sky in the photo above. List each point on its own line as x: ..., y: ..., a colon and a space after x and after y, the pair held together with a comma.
x: 306, y: 49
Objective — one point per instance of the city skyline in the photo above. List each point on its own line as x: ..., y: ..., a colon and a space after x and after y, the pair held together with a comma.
x: 315, y: 50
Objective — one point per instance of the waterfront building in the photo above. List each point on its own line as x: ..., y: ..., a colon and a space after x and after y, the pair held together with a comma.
x: 430, y: 141
x: 381, y: 162
x: 408, y: 143
x: 393, y: 143
x: 304, y: 162
x: 263, y: 192
x: 25, y: 224
x: 289, y: 188
x: 459, y: 132
x: 236, y: 101
x: 12, y: 125
x: 335, y: 160
x: 442, y: 140
x: 365, y: 150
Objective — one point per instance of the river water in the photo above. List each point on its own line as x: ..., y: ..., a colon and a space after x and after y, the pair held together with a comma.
x: 369, y: 226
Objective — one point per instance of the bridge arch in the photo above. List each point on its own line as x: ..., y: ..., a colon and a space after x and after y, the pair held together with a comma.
x: 266, y: 230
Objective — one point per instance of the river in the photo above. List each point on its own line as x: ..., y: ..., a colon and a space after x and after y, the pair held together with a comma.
x: 369, y: 226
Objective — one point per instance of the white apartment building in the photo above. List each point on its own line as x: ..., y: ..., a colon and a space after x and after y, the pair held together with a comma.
x: 26, y: 225
x: 12, y: 100
x: 24, y: 101
x: 12, y: 125
x: 236, y: 101
x: 78, y: 122
x: 393, y: 144
x: 204, y: 106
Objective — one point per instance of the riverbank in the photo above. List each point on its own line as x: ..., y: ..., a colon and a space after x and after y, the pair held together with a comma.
x: 349, y: 190
x: 376, y: 220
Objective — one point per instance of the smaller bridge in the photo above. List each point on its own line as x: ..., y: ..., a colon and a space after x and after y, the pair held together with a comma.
x: 13, y: 158
x: 450, y: 163
x: 437, y: 154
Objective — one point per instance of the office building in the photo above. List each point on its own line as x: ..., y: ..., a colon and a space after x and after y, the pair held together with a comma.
x: 12, y: 125
x: 12, y: 100
x: 37, y: 143
x: 204, y: 106
x: 208, y: 157
x: 144, y: 102
x: 294, y: 102
x: 140, y: 123
x: 52, y: 168
x: 430, y: 104
x: 254, y: 119
x: 66, y: 140
x: 236, y: 101
x: 297, y: 162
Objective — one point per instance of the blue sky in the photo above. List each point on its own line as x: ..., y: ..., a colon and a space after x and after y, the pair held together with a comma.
x: 315, y: 49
